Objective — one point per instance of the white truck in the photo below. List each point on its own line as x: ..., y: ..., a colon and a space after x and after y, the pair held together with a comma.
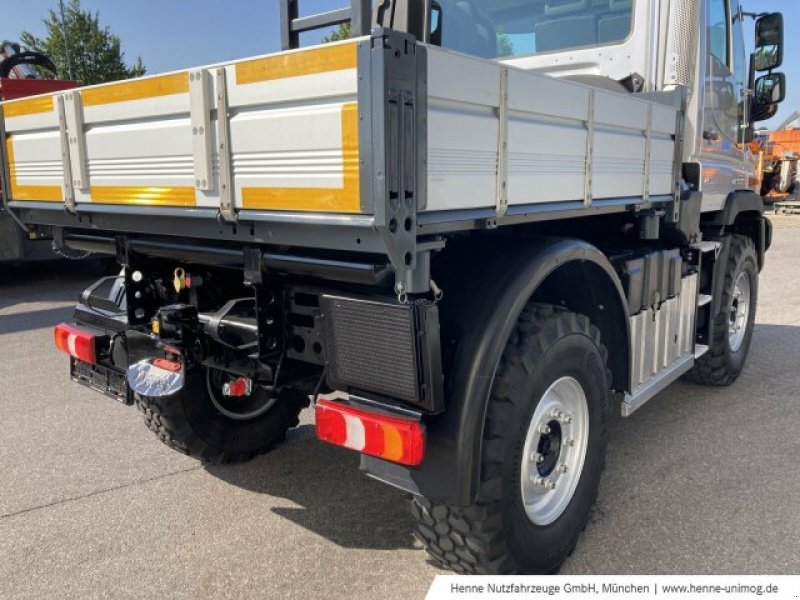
x: 469, y: 235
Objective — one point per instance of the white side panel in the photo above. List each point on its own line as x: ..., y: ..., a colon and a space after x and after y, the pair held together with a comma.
x: 38, y: 159
x: 292, y: 123
x: 284, y: 148
x: 552, y: 125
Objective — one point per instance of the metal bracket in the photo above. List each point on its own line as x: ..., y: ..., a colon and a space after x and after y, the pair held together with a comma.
x: 226, y: 207
x: 200, y: 109
x: 589, y: 165
x: 73, y: 113
x: 67, y: 188
x: 397, y: 74
x: 502, y: 147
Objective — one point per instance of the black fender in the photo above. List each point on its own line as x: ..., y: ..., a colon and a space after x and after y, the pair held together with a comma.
x: 486, y: 290
x: 743, y: 213
x: 738, y: 202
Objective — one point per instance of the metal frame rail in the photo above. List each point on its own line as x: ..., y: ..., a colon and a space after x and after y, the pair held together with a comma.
x: 359, y: 15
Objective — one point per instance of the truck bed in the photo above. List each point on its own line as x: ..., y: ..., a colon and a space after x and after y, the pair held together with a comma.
x: 334, y: 135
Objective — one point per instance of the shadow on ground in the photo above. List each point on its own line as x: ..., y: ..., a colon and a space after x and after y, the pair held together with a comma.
x: 339, y: 503
x: 336, y: 501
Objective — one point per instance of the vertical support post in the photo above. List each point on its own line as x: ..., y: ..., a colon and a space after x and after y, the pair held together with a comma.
x: 360, y: 17
x: 289, y: 12
x: 589, y: 165
x: 226, y: 196
x: 648, y: 136
x: 67, y: 190
x: 502, y: 147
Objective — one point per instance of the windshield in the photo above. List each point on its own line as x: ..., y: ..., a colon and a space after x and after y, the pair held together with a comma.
x: 499, y: 28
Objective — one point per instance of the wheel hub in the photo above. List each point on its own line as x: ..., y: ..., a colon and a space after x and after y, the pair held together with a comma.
x: 554, y: 451
x: 739, y: 315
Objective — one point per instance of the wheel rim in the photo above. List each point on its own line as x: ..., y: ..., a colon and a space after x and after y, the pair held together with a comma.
x: 245, y: 408
x: 555, y: 451
x: 739, y: 311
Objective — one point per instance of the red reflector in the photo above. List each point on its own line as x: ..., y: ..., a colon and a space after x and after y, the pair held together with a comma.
x: 76, y: 343
x: 391, y: 438
x: 167, y: 365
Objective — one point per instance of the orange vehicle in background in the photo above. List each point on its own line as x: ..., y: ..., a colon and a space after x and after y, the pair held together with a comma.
x: 779, y: 157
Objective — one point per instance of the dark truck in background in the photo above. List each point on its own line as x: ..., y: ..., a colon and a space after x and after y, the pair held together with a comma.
x: 469, y: 235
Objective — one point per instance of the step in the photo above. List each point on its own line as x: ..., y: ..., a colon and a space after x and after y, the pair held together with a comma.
x: 707, y: 246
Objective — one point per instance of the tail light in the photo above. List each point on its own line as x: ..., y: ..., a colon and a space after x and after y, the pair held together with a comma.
x: 78, y: 344
x: 391, y: 438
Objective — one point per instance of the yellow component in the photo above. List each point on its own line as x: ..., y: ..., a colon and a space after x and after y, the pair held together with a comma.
x: 179, y: 283
x: 136, y: 89
x: 392, y: 443
x: 156, y: 326
x: 28, y: 106
x: 343, y: 200
x: 297, y: 64
x: 42, y: 193
x: 143, y: 196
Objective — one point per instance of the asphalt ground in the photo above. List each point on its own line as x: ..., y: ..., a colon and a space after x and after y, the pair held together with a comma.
x: 699, y: 481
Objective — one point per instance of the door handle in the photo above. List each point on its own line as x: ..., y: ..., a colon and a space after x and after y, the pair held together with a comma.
x: 710, y: 136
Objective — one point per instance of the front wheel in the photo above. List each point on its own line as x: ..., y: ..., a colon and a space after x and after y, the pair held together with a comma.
x: 733, y: 325
x: 544, y: 446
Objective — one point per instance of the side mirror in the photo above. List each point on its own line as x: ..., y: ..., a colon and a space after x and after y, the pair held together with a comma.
x: 769, y: 42
x: 770, y: 91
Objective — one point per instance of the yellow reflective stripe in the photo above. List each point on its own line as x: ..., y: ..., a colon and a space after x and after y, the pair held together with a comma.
x: 40, y: 193
x: 296, y: 64
x: 30, y: 106
x: 143, y: 195
x: 136, y: 89
x: 346, y: 199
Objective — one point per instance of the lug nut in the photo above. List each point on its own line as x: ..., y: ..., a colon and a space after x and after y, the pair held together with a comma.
x: 539, y: 481
x: 556, y: 414
x: 563, y: 468
x: 537, y: 458
x: 567, y: 419
x: 569, y: 442
x: 545, y: 429
x: 549, y: 485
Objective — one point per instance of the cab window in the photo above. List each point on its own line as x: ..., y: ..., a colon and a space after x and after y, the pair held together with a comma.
x: 719, y: 31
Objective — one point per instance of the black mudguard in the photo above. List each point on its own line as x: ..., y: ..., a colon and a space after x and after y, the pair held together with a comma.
x: 485, y: 292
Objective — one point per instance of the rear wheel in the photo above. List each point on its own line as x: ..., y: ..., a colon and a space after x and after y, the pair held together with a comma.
x: 544, y: 444
x: 733, y: 325
x: 201, y: 421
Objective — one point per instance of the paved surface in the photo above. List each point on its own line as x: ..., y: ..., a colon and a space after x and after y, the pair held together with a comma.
x: 92, y: 505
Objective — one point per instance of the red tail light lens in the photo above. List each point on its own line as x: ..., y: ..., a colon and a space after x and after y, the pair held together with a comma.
x: 76, y: 343
x: 391, y: 438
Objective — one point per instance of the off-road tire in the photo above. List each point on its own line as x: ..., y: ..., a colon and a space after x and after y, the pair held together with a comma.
x: 189, y: 423
x: 494, y: 535
x: 721, y: 366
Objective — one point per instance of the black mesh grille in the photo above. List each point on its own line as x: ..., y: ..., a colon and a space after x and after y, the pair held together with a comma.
x: 372, y: 346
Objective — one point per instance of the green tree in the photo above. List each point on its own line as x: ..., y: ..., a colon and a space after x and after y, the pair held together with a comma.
x: 342, y: 33
x: 89, y: 53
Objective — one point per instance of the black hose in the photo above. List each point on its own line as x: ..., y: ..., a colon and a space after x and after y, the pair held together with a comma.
x: 27, y: 58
